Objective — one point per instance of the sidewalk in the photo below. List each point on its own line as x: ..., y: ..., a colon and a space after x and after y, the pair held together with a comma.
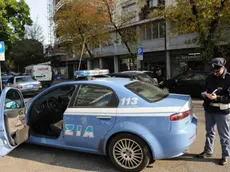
x: 197, y: 101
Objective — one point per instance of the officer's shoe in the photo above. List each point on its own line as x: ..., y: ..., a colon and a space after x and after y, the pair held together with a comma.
x: 204, y: 155
x: 223, y: 161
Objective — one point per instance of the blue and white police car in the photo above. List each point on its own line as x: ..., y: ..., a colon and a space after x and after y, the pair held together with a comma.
x: 131, y: 122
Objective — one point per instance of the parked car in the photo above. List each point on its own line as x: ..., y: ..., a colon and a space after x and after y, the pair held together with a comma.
x: 26, y: 84
x: 137, y: 75
x: 191, y: 83
x: 5, y: 79
x: 131, y: 122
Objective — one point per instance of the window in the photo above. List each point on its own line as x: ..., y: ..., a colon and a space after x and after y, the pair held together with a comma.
x: 64, y: 90
x: 151, y: 3
x: 161, y: 2
x: 13, y: 100
x: 143, y: 32
x: 186, y: 76
x: 155, y: 31
x: 95, y: 96
x: 146, y: 91
x: 162, y: 29
x: 24, y: 79
x: 148, y: 31
x: 145, y: 78
x: 199, y: 77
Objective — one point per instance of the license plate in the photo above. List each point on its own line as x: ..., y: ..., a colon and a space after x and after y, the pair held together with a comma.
x: 29, y: 86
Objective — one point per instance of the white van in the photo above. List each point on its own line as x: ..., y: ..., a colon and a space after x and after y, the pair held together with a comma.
x: 42, y: 73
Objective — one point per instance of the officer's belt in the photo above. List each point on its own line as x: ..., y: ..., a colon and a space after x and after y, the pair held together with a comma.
x: 220, y: 105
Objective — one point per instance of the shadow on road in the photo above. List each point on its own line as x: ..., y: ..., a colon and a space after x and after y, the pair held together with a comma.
x: 191, y: 157
x: 63, y: 158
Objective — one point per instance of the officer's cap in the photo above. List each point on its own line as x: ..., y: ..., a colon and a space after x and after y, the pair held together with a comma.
x: 217, y: 63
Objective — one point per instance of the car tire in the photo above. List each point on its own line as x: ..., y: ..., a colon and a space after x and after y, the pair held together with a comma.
x: 129, y: 153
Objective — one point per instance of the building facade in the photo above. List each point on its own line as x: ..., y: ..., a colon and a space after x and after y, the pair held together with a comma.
x: 171, y: 53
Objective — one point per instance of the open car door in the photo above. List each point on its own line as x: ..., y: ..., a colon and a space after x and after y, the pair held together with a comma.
x: 13, y: 127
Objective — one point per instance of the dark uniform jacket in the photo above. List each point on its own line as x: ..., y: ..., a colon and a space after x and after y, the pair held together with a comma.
x: 222, y: 83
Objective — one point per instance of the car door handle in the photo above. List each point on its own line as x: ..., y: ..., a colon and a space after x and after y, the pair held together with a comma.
x: 104, y: 117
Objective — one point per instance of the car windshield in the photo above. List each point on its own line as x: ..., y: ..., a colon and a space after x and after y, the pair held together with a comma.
x: 6, y: 77
x: 145, y: 78
x: 146, y: 91
x: 24, y: 79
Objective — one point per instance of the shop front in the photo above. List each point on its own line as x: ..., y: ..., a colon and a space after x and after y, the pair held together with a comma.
x: 186, y: 60
x: 126, y: 63
x: 154, y: 60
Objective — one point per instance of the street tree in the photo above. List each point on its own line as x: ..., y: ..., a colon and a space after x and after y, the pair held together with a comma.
x: 121, y: 17
x: 26, y: 52
x: 210, y: 19
x: 35, y: 32
x: 14, y: 15
x: 83, y: 25
x: 119, y: 21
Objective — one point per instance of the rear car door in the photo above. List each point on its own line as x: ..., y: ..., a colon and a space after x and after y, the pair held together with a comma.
x: 90, y: 115
x: 13, y: 127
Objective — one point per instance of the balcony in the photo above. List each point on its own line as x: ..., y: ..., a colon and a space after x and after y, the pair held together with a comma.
x: 154, y: 45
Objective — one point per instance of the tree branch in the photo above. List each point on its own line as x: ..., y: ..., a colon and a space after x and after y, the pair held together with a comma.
x: 194, y: 8
x: 86, y: 45
x: 115, y: 26
x: 214, y: 23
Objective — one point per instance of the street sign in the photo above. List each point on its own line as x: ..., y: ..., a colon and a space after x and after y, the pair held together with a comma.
x: 140, y: 53
x: 2, y: 51
x: 2, y: 58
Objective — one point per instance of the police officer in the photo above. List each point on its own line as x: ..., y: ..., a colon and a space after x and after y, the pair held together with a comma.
x: 217, y: 109
x: 158, y: 74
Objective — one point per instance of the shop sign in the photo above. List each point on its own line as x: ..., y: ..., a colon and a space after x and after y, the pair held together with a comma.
x: 189, y: 58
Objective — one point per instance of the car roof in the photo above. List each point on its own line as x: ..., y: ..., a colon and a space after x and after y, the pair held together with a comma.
x: 128, y: 73
x: 24, y: 76
x: 133, y: 71
x: 110, y: 82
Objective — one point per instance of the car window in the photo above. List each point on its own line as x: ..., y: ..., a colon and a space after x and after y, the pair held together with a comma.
x: 60, y: 91
x: 24, y: 79
x: 151, y: 74
x: 146, y: 91
x: 13, y: 100
x: 186, y: 76
x: 11, y: 80
x: 96, y: 96
x: 199, y: 77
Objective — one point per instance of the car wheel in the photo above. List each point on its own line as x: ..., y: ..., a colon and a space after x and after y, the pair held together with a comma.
x: 129, y: 152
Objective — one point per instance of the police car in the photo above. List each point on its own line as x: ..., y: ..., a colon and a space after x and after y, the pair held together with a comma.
x: 89, y: 74
x: 131, y: 122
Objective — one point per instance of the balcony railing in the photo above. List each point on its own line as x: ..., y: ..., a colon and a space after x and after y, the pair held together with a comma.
x: 153, y: 45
